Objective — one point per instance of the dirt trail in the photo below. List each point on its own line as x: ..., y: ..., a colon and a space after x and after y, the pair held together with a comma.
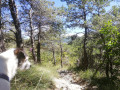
x: 66, y: 82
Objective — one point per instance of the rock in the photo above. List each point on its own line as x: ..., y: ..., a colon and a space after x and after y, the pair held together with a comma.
x: 65, y: 82
x: 94, y: 87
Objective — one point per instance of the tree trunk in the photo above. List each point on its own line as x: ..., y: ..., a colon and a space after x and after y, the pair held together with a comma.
x: 53, y: 50
x: 39, y: 45
x: 85, y: 57
x: 111, y: 67
x: 31, y: 37
x: 85, y: 61
x: 61, y: 52
x: 14, y: 13
x: 107, y: 69
x: 2, y: 46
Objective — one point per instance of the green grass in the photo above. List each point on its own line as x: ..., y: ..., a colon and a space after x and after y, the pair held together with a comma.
x: 39, y: 77
x: 104, y: 83
x: 100, y: 80
x: 87, y: 74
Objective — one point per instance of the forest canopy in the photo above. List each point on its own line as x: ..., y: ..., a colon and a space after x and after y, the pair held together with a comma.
x: 41, y: 28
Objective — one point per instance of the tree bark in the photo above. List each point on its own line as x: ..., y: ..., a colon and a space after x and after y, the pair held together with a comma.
x: 39, y: 45
x: 14, y: 13
x: 61, y: 52
x: 111, y: 67
x: 107, y: 69
x: 2, y: 46
x: 85, y: 59
x: 32, y: 38
x: 85, y: 62
x: 53, y: 50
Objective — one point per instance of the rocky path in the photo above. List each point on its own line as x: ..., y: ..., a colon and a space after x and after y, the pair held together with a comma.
x: 67, y: 82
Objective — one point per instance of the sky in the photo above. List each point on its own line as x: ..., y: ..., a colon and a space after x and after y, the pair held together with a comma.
x: 58, y: 3
x: 73, y: 31
x: 112, y: 4
x: 70, y: 31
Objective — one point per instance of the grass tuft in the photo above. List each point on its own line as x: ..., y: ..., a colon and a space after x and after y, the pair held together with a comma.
x: 39, y: 77
x: 88, y: 74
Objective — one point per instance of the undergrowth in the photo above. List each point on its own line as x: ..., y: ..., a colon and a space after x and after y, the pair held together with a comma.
x: 39, y: 77
x: 104, y: 83
x: 100, y: 80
